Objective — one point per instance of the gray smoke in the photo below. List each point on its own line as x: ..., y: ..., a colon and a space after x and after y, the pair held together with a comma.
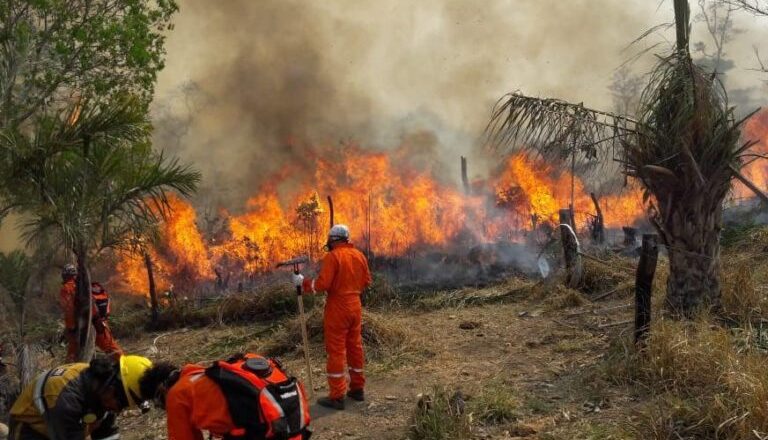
x: 251, y: 85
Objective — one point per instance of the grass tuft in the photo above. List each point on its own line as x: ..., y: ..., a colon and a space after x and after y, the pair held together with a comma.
x: 440, y: 416
x: 495, y: 405
x: 703, y: 380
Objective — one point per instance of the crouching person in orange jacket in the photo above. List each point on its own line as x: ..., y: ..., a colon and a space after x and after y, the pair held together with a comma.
x: 247, y: 397
x: 344, y: 274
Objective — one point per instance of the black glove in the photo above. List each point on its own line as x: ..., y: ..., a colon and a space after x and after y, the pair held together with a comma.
x: 107, y: 428
x: 99, y: 325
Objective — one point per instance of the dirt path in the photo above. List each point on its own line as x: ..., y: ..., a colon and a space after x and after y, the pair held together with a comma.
x: 540, y: 356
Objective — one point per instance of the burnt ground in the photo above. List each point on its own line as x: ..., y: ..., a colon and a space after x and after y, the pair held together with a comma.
x: 544, y: 353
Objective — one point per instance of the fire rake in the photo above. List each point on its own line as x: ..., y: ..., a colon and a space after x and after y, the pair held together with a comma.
x: 296, y: 263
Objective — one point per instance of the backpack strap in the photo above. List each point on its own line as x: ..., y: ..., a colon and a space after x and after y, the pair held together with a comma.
x: 242, y: 401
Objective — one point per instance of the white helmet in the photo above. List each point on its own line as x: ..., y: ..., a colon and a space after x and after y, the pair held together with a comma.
x: 338, y: 233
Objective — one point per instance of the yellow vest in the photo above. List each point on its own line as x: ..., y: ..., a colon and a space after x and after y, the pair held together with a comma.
x: 28, y: 406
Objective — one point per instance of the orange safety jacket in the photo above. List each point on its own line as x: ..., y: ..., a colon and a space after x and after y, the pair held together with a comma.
x: 67, y: 299
x: 101, y: 304
x: 196, y: 403
x: 344, y: 273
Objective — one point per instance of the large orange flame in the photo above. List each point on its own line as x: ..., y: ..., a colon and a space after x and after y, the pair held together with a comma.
x: 756, y: 170
x: 390, y: 207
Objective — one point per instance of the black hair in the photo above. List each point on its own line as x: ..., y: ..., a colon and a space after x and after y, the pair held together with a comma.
x: 103, y: 370
x: 154, y: 377
x: 105, y: 373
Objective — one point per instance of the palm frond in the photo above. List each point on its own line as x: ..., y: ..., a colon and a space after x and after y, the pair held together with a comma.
x: 553, y: 127
x: 15, y: 272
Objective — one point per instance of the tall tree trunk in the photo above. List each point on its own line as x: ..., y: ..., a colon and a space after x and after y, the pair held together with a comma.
x: 693, y: 242
x: 152, y: 289
x: 22, y: 311
x: 84, y: 306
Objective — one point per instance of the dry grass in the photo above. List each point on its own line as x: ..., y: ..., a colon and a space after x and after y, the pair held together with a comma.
x: 561, y: 297
x: 267, y: 304
x: 513, y: 288
x: 495, y: 404
x: 440, y: 416
x: 382, y: 336
x: 599, y: 278
x: 381, y: 294
x: 703, y: 381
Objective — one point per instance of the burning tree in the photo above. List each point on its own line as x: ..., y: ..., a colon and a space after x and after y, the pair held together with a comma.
x: 683, y: 149
x: 308, y: 212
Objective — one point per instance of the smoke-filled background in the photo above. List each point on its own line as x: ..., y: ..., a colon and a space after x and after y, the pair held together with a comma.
x: 249, y: 86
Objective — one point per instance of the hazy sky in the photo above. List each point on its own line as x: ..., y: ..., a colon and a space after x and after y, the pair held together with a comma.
x: 320, y: 72
x: 245, y: 79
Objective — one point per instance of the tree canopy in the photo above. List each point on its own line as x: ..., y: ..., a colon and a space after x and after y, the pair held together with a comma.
x: 54, y: 51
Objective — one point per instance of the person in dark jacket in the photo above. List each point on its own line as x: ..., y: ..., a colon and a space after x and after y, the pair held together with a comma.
x: 78, y: 401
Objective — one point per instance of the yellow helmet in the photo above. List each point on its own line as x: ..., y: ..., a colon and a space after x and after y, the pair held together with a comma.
x: 132, y: 368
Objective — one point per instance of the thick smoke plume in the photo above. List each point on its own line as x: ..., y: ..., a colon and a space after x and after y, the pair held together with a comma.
x: 250, y: 86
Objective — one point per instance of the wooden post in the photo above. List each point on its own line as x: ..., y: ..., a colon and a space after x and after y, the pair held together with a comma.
x: 571, y: 255
x: 630, y: 235
x: 598, y: 227
x: 330, y: 210
x: 573, y: 187
x: 646, y: 269
x: 464, y: 177
x: 152, y: 291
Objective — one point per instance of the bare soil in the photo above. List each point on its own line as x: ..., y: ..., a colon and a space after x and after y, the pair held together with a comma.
x: 547, y: 357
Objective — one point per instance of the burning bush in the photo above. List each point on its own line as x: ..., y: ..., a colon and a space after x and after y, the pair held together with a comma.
x: 394, y: 211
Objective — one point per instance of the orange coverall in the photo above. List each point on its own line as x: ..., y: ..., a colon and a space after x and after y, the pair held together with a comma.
x: 343, y: 274
x: 67, y: 296
x: 195, y: 403
x: 104, y: 339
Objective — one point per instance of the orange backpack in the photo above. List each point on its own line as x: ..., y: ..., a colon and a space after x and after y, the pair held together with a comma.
x: 263, y: 400
x: 101, y: 306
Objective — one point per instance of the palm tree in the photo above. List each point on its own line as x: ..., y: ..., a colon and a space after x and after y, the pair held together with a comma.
x: 683, y: 149
x: 91, y: 176
x: 15, y: 272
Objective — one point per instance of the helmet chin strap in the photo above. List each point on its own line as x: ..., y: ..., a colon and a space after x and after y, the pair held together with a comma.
x: 329, y: 244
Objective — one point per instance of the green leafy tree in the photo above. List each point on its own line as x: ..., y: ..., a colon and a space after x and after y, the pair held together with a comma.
x: 54, y: 51
x: 91, y: 177
x: 683, y: 148
x: 15, y: 271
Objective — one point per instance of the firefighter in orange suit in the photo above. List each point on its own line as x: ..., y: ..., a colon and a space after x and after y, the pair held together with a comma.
x: 101, y: 310
x: 343, y: 275
x: 68, y: 302
x: 67, y: 299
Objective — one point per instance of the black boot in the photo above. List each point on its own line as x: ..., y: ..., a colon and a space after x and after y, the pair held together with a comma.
x: 331, y: 403
x: 358, y: 395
